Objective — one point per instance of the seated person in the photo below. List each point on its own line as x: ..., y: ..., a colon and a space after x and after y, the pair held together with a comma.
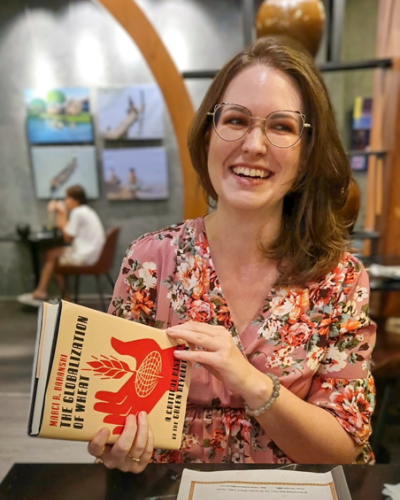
x: 82, y: 229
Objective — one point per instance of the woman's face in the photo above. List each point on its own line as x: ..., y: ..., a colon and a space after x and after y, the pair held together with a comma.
x: 262, y: 90
x: 70, y: 203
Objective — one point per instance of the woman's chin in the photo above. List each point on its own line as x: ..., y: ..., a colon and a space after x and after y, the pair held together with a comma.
x: 246, y: 203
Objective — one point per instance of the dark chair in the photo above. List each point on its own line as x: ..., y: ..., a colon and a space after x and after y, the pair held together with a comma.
x: 102, y: 266
x: 385, y: 368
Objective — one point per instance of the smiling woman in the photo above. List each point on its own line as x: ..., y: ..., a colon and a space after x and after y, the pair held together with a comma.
x: 273, y: 308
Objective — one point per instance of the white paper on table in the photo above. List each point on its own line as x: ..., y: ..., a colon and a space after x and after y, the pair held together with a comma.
x: 260, y: 484
x: 392, y: 490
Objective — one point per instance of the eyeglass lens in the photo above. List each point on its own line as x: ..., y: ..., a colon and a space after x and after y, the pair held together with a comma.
x: 283, y: 128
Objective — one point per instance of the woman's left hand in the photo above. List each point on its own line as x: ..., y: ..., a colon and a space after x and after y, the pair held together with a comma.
x: 218, y: 354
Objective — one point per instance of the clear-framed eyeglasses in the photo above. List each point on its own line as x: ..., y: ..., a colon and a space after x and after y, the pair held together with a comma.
x: 282, y: 128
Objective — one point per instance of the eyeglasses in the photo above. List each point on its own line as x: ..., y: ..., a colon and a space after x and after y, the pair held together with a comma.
x: 282, y: 128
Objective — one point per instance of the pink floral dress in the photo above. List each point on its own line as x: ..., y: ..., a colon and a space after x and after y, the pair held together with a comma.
x: 318, y: 340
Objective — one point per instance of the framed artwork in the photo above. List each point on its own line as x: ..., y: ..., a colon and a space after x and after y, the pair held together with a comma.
x: 55, y: 168
x: 129, y: 113
x: 58, y: 116
x: 135, y: 174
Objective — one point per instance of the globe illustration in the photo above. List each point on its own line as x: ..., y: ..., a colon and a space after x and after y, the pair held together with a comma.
x: 148, y: 374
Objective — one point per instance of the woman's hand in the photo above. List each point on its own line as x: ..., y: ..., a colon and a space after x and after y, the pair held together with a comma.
x: 218, y: 354
x: 133, y: 449
x: 51, y: 206
x: 60, y: 207
x: 56, y: 206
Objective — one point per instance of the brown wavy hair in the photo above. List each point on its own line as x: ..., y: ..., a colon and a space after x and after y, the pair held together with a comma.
x: 77, y: 193
x: 313, y: 236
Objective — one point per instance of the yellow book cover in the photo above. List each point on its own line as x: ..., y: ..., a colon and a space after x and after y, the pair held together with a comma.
x: 92, y: 369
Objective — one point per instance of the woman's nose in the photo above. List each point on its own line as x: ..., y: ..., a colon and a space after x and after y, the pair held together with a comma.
x: 255, y: 140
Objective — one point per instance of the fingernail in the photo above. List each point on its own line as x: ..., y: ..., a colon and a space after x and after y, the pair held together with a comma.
x: 131, y: 418
x: 142, y: 415
x: 105, y: 432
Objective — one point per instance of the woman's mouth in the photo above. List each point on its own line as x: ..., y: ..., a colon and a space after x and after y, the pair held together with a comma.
x: 251, y: 173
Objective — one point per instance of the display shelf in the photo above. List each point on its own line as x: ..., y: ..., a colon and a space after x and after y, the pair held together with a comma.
x: 365, y: 235
x: 360, y: 152
x: 324, y: 67
x: 355, y: 65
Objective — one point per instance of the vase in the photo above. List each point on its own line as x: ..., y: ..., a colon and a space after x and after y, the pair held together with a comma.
x: 302, y: 20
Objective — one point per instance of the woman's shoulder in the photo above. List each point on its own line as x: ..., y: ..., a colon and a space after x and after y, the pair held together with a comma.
x: 348, y: 272
x: 350, y: 264
x: 164, y: 240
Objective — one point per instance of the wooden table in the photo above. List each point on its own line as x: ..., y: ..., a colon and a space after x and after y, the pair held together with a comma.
x: 37, y: 242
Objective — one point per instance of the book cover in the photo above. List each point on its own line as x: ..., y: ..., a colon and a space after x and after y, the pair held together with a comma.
x: 360, y: 131
x: 93, y: 369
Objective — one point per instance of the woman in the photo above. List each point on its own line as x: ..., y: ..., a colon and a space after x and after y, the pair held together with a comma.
x: 81, y: 229
x: 262, y: 289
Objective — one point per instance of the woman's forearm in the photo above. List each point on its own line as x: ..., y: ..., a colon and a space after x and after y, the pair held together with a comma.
x: 304, y: 432
x: 61, y: 220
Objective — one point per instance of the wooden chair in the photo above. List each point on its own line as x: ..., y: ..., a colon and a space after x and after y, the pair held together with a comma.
x: 102, y: 266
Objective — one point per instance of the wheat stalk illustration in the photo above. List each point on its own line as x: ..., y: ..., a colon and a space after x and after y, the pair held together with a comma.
x: 108, y: 367
x: 147, y: 374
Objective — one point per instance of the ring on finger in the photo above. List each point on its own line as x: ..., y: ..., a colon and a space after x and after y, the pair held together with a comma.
x: 134, y: 459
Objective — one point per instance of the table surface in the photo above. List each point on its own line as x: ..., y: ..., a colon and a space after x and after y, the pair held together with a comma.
x: 158, y: 481
x: 32, y: 237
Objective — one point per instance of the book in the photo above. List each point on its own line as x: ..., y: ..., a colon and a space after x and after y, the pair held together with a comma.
x: 360, y: 131
x: 92, y: 369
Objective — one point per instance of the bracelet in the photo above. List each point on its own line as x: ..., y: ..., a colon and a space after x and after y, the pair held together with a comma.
x: 266, y: 406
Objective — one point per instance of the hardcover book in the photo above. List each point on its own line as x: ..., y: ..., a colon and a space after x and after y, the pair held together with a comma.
x: 360, y: 131
x: 92, y: 369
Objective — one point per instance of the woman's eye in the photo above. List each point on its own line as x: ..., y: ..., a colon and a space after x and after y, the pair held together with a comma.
x: 235, y: 120
x: 282, y: 127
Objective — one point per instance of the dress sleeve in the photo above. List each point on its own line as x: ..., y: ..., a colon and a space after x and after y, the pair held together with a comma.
x: 135, y: 292
x: 343, y: 384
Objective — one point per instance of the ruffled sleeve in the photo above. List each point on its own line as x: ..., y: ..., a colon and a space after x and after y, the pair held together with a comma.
x: 135, y: 292
x: 343, y: 384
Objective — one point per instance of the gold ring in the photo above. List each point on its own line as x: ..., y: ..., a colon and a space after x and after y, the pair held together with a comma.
x: 134, y: 459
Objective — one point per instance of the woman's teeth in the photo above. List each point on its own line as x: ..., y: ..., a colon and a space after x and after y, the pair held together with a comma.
x: 251, y: 172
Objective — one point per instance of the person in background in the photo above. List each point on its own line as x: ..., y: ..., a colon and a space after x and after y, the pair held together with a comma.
x: 81, y: 229
x: 263, y: 290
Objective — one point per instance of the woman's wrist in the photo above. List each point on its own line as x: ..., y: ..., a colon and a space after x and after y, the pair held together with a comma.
x: 258, y: 390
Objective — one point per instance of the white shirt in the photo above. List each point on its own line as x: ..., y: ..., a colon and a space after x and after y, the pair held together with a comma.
x: 87, y: 231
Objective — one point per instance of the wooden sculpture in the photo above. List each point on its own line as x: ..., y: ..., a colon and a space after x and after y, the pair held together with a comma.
x: 302, y: 20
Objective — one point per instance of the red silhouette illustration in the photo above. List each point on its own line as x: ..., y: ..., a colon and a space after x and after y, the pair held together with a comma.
x: 146, y: 384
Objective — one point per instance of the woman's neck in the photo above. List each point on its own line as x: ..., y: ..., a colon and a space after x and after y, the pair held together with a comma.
x: 237, y: 236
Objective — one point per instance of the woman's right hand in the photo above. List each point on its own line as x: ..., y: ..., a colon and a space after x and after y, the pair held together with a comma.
x: 135, y: 442
x: 52, y: 206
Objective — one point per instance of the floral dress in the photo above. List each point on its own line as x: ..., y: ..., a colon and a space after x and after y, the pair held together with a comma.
x: 317, y: 339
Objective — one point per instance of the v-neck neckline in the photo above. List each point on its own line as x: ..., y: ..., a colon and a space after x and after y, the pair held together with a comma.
x: 260, y: 310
